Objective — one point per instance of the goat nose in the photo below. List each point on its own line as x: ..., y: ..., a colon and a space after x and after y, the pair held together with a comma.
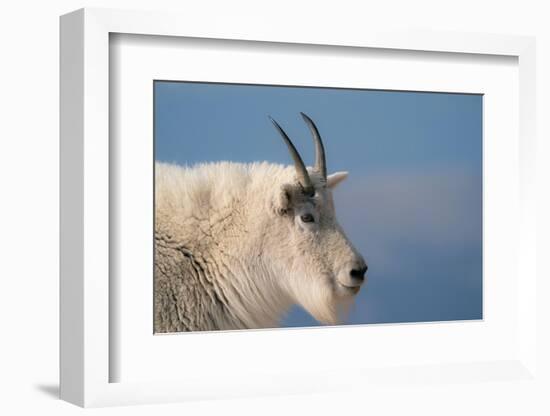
x: 359, y: 273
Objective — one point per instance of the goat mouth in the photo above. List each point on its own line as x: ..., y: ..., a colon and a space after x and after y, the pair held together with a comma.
x: 350, y: 289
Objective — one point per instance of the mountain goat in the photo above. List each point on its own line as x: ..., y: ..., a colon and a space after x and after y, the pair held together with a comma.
x: 236, y: 245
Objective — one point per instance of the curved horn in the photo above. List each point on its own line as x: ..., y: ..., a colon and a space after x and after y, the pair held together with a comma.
x: 320, y: 159
x: 301, y: 171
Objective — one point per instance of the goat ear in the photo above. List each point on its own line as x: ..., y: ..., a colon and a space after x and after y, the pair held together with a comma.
x: 285, y: 200
x: 335, y: 178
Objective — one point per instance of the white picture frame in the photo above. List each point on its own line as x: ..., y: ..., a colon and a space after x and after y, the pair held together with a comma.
x: 85, y: 182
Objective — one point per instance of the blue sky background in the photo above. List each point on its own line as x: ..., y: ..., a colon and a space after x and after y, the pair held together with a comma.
x: 412, y: 204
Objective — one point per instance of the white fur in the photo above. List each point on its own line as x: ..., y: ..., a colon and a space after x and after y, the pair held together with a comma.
x: 231, y: 249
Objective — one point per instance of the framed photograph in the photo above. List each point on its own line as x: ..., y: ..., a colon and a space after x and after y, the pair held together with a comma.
x: 272, y: 212
x: 305, y: 234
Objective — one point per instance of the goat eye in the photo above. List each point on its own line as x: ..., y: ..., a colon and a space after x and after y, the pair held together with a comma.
x: 307, y: 218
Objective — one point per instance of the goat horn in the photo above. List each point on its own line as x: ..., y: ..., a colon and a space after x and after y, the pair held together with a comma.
x: 320, y: 159
x: 301, y: 171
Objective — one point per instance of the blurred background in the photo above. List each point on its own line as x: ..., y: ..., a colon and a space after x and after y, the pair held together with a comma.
x: 412, y: 204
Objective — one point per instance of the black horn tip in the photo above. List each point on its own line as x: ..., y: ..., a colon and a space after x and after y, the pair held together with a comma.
x: 274, y: 122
